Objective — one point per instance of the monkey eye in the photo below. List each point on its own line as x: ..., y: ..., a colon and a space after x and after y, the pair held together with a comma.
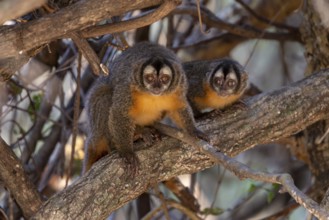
x: 218, y: 81
x: 149, y: 78
x: 165, y: 79
x: 231, y: 83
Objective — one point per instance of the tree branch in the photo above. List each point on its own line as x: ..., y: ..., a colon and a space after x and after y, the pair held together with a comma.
x: 87, y: 52
x: 17, y: 182
x: 211, y: 20
x: 107, y: 186
x: 242, y: 171
x: 134, y: 23
x: 19, y: 39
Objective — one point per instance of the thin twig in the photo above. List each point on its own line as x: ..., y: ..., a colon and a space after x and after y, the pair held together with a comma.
x: 264, y: 19
x: 211, y: 20
x: 200, y: 18
x: 163, y: 202
x: 242, y: 171
x: 76, y: 114
x: 190, y: 214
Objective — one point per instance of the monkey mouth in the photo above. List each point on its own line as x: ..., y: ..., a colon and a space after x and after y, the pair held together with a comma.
x: 156, y: 92
x: 224, y: 93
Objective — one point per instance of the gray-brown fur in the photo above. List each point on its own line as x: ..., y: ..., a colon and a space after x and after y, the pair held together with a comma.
x: 199, y: 73
x: 111, y: 98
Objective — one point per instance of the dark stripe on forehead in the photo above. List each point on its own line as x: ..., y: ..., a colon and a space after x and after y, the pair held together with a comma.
x: 227, y: 66
x: 158, y: 63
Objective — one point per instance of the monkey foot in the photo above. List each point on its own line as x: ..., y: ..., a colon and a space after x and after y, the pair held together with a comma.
x: 240, y: 105
x: 148, y: 134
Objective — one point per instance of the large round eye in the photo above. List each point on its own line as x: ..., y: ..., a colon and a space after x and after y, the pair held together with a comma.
x: 165, y: 78
x: 149, y: 78
x: 231, y: 83
x: 218, y: 81
x: 165, y: 74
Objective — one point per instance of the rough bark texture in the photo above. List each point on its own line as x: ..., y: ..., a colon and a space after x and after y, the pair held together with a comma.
x: 269, y: 116
x: 15, y: 41
x: 17, y: 181
x: 316, y: 41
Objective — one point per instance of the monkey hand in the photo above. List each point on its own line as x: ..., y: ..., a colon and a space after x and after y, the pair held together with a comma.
x: 148, y: 134
x: 240, y: 105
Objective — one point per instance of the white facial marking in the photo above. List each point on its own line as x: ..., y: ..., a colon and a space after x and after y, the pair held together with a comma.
x: 149, y: 69
x: 232, y: 75
x: 219, y: 73
x: 166, y: 70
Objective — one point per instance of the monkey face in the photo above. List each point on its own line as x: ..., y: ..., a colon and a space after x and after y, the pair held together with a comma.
x: 227, y: 79
x: 157, y: 77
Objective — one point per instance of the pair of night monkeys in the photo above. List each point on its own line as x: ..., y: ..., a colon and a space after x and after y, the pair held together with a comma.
x: 148, y: 82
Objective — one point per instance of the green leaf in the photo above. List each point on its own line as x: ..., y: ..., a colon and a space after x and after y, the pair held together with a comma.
x: 270, y: 196
x: 212, y: 211
x: 276, y: 186
x: 252, y: 188
x: 34, y: 105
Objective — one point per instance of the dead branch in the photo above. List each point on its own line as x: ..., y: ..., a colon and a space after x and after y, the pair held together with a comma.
x: 107, y: 186
x: 17, y: 182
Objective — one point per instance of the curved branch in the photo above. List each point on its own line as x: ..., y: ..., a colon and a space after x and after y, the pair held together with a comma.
x: 17, y: 40
x: 134, y: 23
x: 107, y: 186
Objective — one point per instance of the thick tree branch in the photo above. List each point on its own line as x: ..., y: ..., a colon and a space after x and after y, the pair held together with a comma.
x: 16, y: 40
x: 269, y: 116
x: 242, y: 171
x: 17, y: 182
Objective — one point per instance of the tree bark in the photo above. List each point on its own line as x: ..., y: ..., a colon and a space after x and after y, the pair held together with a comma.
x: 17, y: 182
x: 109, y: 185
x: 315, y: 38
x: 17, y: 40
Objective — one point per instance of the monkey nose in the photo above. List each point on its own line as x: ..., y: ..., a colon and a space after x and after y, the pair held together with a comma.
x: 156, y: 91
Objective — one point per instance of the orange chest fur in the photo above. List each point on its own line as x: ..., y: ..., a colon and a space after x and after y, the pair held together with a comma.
x: 212, y: 100
x: 147, y: 108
